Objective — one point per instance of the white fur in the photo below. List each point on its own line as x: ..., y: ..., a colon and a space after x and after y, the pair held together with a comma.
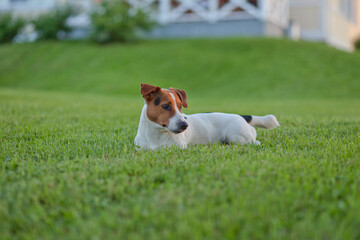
x: 151, y: 135
x: 176, y: 118
x: 203, y: 128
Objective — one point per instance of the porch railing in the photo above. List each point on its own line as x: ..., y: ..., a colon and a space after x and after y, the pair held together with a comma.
x: 170, y: 11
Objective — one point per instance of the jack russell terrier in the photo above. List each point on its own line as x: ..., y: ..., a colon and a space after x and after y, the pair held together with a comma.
x: 162, y: 123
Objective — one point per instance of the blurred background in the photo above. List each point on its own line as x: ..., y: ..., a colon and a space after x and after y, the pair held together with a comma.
x: 335, y: 22
x: 259, y: 48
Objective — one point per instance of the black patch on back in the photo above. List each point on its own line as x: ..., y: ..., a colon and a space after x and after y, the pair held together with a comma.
x: 157, y: 101
x: 224, y: 142
x: 247, y: 118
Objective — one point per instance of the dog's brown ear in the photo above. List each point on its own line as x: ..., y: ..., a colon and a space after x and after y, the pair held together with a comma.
x: 147, y: 90
x: 182, y: 96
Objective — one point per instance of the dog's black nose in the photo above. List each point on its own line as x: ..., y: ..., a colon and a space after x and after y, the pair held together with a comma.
x: 183, y: 125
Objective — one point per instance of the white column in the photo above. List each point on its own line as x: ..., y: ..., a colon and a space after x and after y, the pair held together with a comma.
x: 286, y: 9
x: 263, y: 4
x: 213, y: 10
x: 164, y: 11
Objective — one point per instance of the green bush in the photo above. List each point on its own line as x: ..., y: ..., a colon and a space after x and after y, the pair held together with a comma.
x: 115, y: 21
x: 9, y: 27
x: 50, y: 24
x: 357, y: 44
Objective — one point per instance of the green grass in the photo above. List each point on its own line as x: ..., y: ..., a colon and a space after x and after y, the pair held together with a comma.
x: 69, y: 169
x: 250, y: 68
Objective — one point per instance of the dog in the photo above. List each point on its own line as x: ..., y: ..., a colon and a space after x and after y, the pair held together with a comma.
x: 162, y: 123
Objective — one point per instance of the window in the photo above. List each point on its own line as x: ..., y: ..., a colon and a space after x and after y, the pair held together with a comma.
x: 349, y: 9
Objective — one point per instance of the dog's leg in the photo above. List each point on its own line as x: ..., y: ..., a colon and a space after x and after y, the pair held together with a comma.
x: 243, y: 139
x: 241, y: 133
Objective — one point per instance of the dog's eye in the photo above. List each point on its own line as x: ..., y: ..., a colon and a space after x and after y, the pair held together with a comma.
x: 167, y: 107
x: 180, y: 107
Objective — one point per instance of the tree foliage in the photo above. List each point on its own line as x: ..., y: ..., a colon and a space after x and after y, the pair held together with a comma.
x: 116, y: 21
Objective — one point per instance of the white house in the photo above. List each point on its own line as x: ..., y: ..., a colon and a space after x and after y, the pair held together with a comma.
x: 335, y: 22
x: 191, y: 18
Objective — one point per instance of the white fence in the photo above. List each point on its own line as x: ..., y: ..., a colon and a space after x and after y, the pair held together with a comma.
x: 170, y: 11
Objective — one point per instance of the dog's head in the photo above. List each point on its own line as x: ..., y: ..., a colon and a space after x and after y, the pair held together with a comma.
x: 164, y: 107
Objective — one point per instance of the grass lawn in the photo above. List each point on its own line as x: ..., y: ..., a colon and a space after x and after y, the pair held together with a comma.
x: 69, y: 169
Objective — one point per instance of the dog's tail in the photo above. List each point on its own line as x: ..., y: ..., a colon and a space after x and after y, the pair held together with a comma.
x: 267, y: 122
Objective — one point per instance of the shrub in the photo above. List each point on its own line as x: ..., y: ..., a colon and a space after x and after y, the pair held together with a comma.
x: 357, y: 44
x: 9, y: 27
x: 115, y: 21
x: 49, y: 25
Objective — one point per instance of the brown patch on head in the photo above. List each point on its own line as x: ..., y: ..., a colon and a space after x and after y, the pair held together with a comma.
x: 160, y: 104
x: 148, y: 90
x: 180, y: 95
x: 161, y: 108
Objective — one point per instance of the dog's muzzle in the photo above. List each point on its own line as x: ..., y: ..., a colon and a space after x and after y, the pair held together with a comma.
x: 181, y: 126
